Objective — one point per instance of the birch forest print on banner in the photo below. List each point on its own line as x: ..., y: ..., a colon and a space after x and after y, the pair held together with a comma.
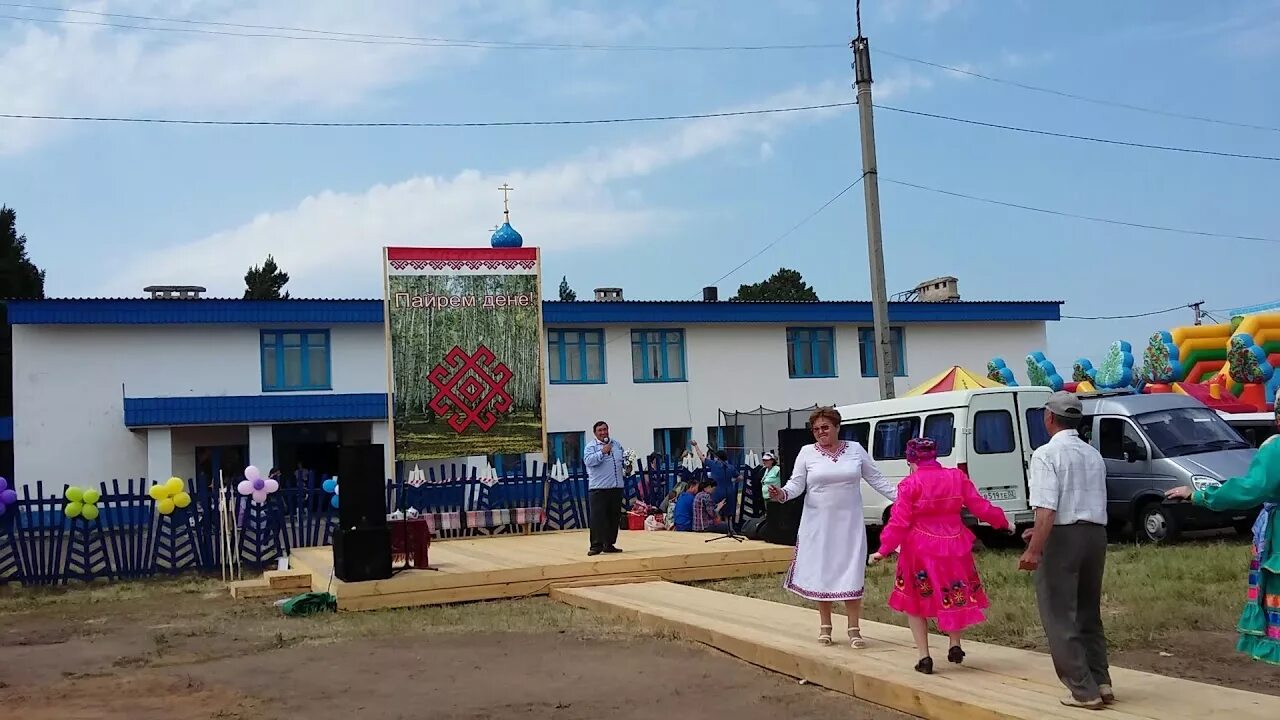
x: 465, y: 341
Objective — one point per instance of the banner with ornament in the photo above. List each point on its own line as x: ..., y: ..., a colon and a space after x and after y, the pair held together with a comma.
x: 464, y: 341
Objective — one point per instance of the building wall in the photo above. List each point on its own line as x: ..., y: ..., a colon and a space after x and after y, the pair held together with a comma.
x: 70, y: 381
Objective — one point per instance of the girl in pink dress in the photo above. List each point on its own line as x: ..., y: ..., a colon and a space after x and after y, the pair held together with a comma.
x: 936, y: 576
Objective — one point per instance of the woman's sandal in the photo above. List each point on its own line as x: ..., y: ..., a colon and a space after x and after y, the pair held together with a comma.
x: 855, y: 639
x: 925, y: 666
x: 824, y: 634
x: 955, y: 655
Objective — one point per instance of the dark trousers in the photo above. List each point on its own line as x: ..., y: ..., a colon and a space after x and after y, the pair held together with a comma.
x: 604, y: 509
x: 1069, y: 596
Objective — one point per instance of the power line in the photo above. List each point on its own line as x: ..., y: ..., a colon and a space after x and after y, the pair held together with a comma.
x: 1125, y: 317
x: 1077, y: 216
x: 1075, y: 96
x: 1086, y: 138
x: 370, y: 38
x: 426, y: 124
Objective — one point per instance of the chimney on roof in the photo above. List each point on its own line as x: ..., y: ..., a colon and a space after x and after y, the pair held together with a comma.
x: 943, y: 289
x: 608, y: 294
x: 710, y: 294
x: 174, y: 292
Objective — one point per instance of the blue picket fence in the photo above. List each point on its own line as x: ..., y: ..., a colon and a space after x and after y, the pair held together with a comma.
x: 40, y: 545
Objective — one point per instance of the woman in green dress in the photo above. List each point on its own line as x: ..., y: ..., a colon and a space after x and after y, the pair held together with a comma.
x: 1259, y: 625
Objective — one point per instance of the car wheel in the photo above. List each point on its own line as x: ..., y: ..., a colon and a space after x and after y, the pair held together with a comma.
x: 1156, y: 524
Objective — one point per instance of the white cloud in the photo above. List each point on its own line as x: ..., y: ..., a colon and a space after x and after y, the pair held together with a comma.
x: 329, y: 241
x: 766, y: 150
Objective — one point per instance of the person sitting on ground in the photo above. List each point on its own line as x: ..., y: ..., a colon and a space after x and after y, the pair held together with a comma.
x: 706, y: 513
x: 681, y: 513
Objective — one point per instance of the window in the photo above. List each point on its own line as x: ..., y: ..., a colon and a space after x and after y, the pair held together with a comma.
x: 657, y: 355
x: 892, y: 436
x: 507, y: 465
x: 867, y: 349
x: 566, y: 447
x: 1118, y: 439
x: 671, y: 442
x: 295, y: 360
x: 1035, y: 427
x: 811, y: 352
x: 993, y: 432
x: 575, y: 356
x: 941, y: 428
x: 857, y: 432
x: 730, y: 439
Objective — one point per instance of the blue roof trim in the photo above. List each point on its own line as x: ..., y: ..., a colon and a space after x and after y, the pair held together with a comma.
x: 236, y: 410
x: 312, y: 312
x: 6, y: 429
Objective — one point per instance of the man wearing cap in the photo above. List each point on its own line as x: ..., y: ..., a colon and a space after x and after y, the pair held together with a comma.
x: 1067, y: 550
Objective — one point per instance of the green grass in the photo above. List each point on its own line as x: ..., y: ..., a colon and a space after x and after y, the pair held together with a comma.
x: 421, y: 439
x: 1149, y: 593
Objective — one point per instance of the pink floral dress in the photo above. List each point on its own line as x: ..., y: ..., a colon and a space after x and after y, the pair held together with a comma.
x: 936, y: 575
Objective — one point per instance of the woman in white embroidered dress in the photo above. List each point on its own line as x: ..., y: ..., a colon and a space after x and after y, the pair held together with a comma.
x: 831, y: 546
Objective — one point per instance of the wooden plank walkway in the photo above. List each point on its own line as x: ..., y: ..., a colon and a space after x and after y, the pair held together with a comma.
x: 995, y: 683
x: 508, y: 566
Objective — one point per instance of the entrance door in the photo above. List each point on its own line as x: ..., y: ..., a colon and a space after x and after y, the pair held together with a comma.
x: 995, y: 458
x: 227, y: 461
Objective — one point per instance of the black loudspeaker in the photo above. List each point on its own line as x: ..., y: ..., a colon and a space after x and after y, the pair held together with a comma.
x: 362, y: 500
x: 755, y: 528
x: 783, y: 521
x: 361, y: 554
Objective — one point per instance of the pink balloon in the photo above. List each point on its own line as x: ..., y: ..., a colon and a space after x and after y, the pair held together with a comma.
x: 272, y: 485
x: 260, y: 496
x: 245, y: 487
x: 252, y: 473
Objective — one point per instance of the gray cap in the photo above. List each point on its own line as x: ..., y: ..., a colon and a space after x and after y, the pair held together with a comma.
x: 1064, y: 404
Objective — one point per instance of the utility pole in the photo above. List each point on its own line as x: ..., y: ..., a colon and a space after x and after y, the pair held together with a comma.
x: 886, y: 366
x: 1195, y: 308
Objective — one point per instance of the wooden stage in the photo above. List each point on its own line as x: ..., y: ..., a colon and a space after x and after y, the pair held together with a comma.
x: 507, y: 566
x: 995, y: 683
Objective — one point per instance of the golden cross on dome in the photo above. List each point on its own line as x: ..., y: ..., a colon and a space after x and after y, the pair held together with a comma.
x: 506, y: 210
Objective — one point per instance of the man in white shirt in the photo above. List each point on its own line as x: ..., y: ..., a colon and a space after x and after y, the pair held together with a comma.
x: 1067, y: 550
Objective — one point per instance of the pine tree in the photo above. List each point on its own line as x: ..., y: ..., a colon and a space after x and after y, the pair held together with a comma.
x: 265, y: 282
x: 19, y: 277
x: 784, y: 285
x: 566, y: 293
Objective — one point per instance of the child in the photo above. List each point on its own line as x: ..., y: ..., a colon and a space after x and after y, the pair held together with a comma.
x: 681, y: 512
x: 936, y: 575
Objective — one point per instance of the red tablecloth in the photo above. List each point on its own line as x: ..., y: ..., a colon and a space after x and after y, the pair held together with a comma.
x: 417, y: 535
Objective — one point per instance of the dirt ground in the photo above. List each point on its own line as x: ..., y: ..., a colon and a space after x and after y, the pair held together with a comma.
x: 181, y: 650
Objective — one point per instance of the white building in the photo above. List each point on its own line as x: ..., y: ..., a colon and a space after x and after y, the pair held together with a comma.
x: 127, y: 388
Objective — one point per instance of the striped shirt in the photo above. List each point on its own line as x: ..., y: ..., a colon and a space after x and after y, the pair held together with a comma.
x: 1069, y: 477
x: 704, y: 511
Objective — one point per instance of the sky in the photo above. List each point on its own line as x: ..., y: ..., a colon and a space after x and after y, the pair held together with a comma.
x: 660, y: 209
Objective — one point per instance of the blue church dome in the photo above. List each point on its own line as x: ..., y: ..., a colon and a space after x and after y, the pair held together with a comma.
x: 506, y: 237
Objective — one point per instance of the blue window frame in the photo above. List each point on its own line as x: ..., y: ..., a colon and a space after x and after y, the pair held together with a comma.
x: 575, y: 356
x: 867, y: 349
x: 657, y: 356
x: 672, y: 442
x: 507, y: 465
x: 296, y: 360
x: 731, y: 439
x: 566, y: 447
x: 811, y: 352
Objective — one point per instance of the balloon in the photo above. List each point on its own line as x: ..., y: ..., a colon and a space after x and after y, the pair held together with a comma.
x: 3, y: 507
x: 4, y: 484
x: 156, y: 492
x: 334, y: 501
x: 252, y: 473
x: 259, y: 484
x: 174, y: 486
x: 90, y: 497
x: 330, y: 485
x: 337, y: 489
x: 245, y: 487
x: 73, y: 509
x: 8, y: 497
x: 260, y: 496
x: 75, y: 495
x: 165, y: 506
x: 89, y: 512
x: 272, y: 485
x: 181, y: 500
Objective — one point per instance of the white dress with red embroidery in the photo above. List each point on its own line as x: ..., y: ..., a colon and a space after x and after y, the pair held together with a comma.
x: 831, y: 546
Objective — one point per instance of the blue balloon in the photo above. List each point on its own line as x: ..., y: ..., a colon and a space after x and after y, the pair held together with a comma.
x: 334, y: 501
x: 330, y: 485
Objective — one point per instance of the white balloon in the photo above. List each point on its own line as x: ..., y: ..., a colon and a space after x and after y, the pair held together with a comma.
x: 260, y: 496
x: 252, y: 473
x: 272, y: 485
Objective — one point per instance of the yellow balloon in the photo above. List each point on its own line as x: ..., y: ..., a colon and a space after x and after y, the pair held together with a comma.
x: 156, y: 492
x: 89, y: 512
x: 75, y: 494
x: 90, y: 497
x: 165, y: 506
x: 181, y: 500
x: 73, y: 509
x: 174, y: 486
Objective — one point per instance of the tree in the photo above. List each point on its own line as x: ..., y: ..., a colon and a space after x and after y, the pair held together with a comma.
x: 784, y: 285
x: 19, y: 277
x: 566, y: 293
x: 265, y: 282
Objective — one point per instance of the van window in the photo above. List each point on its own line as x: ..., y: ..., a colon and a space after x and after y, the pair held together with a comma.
x: 941, y: 428
x: 857, y: 432
x: 1116, y: 437
x: 993, y: 432
x: 892, y: 437
x: 1039, y: 434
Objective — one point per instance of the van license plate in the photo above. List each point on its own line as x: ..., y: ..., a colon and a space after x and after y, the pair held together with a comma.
x: 998, y: 494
